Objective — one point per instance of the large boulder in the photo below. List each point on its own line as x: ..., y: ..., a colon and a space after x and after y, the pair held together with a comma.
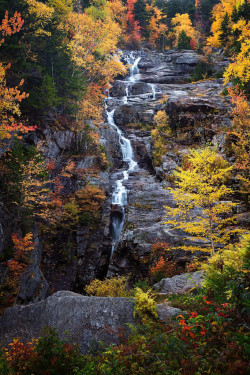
x: 180, y: 284
x: 166, y: 312
x: 135, y: 113
x: 87, y: 320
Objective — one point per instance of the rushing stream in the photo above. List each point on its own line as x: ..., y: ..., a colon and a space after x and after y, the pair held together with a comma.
x: 119, y: 196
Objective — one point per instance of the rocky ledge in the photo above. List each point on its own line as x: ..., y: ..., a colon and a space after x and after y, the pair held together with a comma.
x: 86, y: 321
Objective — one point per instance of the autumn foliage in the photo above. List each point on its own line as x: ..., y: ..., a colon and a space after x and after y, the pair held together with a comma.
x: 10, y: 97
x: 132, y: 37
x: 202, y: 182
x: 17, y: 265
x: 240, y: 136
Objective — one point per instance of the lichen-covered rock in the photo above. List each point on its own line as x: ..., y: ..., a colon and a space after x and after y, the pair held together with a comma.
x: 180, y: 284
x: 87, y: 320
x: 166, y: 312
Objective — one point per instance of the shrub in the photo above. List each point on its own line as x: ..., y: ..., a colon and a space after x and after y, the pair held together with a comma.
x: 162, y: 263
x: 227, y: 277
x: 145, y: 305
x: 113, y: 287
x: 201, y: 71
x: 49, y: 355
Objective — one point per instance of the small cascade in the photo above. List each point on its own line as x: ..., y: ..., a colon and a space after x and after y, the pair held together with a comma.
x: 134, y: 70
x: 125, y: 98
x: 119, y: 196
x: 153, y: 88
x: 134, y: 74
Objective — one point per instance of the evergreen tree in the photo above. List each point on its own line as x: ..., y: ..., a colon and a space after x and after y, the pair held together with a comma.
x: 184, y: 41
x: 142, y: 16
x: 225, y: 30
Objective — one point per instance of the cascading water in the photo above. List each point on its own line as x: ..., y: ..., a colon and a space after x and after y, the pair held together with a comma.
x: 133, y: 69
x: 119, y: 196
x: 125, y: 98
x: 153, y: 90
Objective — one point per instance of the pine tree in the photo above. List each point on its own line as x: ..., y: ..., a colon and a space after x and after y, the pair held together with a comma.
x: 184, y: 41
x: 225, y: 30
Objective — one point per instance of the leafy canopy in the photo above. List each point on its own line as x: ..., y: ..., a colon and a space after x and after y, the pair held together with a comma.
x: 201, y: 182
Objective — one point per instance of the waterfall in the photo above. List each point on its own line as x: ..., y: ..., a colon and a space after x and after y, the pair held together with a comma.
x: 134, y: 74
x: 153, y: 90
x: 119, y: 195
x: 125, y: 98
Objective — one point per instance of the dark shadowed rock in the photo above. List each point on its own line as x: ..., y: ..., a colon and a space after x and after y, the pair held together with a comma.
x: 118, y: 89
x: 33, y: 285
x: 128, y: 113
x: 139, y: 88
x: 180, y: 284
x: 88, y: 320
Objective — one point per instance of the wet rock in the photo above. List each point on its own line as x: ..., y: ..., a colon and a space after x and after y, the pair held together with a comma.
x: 180, y: 284
x: 139, y: 88
x: 168, y: 164
x: 87, y: 320
x: 56, y: 141
x: 132, y: 113
x: 145, y: 225
x: 116, y: 208
x: 118, y: 89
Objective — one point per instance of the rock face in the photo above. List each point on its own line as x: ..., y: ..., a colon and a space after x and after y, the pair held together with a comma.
x: 33, y: 286
x: 180, y: 284
x: 171, y: 67
x: 87, y: 319
x: 198, y: 114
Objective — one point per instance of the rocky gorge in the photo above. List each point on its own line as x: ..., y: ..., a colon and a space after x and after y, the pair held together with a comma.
x: 136, y: 191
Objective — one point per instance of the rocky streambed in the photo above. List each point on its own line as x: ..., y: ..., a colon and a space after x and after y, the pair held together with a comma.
x: 198, y: 115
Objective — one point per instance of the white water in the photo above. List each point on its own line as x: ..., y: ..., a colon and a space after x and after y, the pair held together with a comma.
x: 134, y: 74
x: 119, y: 195
x: 125, y: 98
x: 153, y: 90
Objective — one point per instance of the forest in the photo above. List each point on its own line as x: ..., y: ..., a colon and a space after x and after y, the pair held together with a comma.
x: 124, y: 187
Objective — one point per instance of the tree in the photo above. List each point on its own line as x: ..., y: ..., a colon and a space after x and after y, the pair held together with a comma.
x: 225, y: 30
x: 201, y: 182
x: 240, y: 136
x: 239, y: 70
x: 155, y: 26
x: 182, y: 22
x: 158, y: 134
x: 184, y: 41
x: 133, y: 27
x: 93, y: 42
x: 222, y: 23
x: 10, y: 97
